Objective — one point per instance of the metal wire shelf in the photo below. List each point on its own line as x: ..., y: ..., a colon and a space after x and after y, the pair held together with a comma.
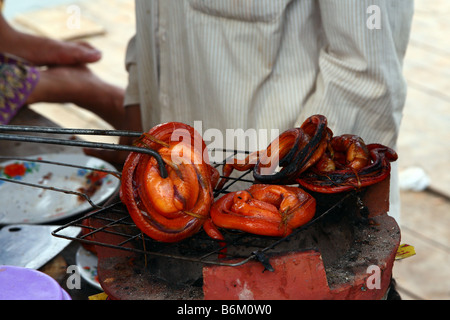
x: 115, y: 222
x: 109, y: 225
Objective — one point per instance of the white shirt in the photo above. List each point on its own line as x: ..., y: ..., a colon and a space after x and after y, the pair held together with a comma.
x: 270, y: 64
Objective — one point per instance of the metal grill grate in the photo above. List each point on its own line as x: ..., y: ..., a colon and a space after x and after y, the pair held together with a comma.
x: 112, y: 227
x: 109, y: 225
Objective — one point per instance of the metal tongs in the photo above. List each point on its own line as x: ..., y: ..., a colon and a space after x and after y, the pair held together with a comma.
x: 79, y: 143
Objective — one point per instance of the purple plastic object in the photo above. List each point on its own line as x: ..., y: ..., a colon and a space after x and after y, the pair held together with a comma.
x: 17, y: 283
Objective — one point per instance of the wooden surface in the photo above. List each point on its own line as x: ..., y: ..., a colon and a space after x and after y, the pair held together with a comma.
x: 53, y: 22
x: 425, y: 142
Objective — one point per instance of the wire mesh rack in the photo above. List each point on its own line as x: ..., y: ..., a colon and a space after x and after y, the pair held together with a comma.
x: 109, y: 224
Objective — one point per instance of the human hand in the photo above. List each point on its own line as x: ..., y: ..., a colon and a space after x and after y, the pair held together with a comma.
x: 55, y: 52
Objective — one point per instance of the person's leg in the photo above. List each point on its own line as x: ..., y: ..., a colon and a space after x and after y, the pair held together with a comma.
x: 44, y: 51
x: 78, y: 85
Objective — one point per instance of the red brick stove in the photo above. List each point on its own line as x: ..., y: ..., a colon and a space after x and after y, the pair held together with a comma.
x: 339, y: 257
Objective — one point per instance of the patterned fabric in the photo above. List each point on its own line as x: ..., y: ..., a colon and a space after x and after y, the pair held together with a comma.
x: 17, y: 81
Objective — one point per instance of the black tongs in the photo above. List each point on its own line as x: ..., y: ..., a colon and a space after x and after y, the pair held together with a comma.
x: 79, y: 143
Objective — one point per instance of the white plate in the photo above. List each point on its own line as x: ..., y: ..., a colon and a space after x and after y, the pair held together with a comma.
x: 87, y: 266
x: 25, y: 204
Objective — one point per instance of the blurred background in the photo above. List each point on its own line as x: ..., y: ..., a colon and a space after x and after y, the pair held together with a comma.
x: 424, y: 142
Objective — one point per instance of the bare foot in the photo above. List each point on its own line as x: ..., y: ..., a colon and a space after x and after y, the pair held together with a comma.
x: 53, y: 52
x: 78, y: 85
x: 44, y: 51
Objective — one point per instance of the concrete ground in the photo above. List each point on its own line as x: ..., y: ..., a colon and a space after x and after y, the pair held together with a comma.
x: 424, y: 142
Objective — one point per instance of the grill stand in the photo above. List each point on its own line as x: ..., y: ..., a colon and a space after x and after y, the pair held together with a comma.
x: 303, y: 275
x: 318, y: 273
x: 323, y: 272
